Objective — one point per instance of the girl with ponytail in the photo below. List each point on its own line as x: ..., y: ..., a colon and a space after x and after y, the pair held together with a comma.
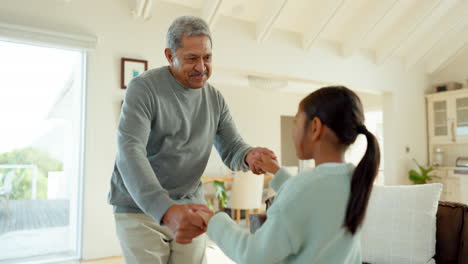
x: 317, y: 215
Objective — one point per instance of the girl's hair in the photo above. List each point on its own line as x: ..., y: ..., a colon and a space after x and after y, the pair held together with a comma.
x: 340, y: 109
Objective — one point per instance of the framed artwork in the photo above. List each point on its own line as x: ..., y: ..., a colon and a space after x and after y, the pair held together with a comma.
x: 131, y: 68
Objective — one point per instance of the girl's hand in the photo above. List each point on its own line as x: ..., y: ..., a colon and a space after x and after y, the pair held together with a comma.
x: 205, y: 215
x: 268, y: 164
x: 254, y: 156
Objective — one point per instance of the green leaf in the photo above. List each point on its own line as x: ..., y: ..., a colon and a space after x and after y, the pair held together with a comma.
x: 420, y: 178
x: 425, y: 172
x: 218, y: 184
x: 415, y: 177
x: 210, y: 205
x: 22, y: 179
x: 421, y: 169
x: 221, y: 192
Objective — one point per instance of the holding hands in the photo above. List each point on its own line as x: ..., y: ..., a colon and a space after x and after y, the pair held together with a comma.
x: 206, y: 216
x: 186, y: 222
x: 260, y: 161
x: 267, y: 164
x: 254, y: 159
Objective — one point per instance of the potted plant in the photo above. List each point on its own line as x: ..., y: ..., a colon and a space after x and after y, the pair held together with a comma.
x: 420, y: 177
x: 220, y: 194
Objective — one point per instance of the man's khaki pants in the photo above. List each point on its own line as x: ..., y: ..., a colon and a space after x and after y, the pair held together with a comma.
x: 143, y: 241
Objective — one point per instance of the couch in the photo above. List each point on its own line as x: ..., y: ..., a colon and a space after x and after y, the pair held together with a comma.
x: 451, y: 234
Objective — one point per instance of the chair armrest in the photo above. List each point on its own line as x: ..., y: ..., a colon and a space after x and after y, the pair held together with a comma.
x: 256, y: 221
x: 269, y: 201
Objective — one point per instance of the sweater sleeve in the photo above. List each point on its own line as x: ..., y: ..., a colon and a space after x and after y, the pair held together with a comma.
x: 281, y: 176
x: 138, y: 176
x: 229, y: 144
x: 270, y: 244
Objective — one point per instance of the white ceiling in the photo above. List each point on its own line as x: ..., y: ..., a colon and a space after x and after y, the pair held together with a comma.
x: 419, y: 32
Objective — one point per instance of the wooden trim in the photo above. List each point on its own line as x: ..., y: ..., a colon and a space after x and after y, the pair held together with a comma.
x: 267, y: 177
x: 221, y: 179
x: 463, y: 90
x: 47, y: 37
x: 101, y: 259
x: 247, y: 217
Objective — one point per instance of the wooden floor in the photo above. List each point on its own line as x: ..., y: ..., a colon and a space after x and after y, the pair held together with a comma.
x: 214, y: 255
x: 111, y: 260
x: 33, y: 214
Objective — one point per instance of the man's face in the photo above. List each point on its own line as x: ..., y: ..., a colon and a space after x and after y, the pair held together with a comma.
x: 191, y: 65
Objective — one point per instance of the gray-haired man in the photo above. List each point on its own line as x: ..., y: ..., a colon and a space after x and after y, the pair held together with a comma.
x: 170, y: 119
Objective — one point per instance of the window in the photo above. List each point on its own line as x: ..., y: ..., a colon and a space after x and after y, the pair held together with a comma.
x: 41, y: 146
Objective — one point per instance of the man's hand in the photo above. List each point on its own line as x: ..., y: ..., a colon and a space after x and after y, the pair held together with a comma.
x: 266, y: 163
x: 255, y: 156
x: 206, y: 216
x: 184, y: 221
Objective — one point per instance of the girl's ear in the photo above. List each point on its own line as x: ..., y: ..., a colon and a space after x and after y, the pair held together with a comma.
x: 315, y: 129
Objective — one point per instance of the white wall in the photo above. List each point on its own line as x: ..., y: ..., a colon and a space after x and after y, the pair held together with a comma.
x: 404, y: 128
x: 257, y: 115
x: 235, y: 47
x: 456, y: 70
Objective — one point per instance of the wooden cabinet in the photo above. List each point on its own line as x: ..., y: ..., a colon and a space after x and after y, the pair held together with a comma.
x: 454, y: 181
x: 439, y: 175
x: 447, y: 114
x: 438, y: 120
x: 461, y: 118
x: 452, y: 187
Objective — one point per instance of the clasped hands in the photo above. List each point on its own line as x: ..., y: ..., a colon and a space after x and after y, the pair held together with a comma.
x: 191, y: 220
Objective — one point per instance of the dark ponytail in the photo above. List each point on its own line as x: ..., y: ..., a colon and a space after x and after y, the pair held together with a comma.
x: 361, y: 183
x: 340, y: 109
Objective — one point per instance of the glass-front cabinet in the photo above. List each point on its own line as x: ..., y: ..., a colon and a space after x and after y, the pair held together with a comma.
x: 448, y: 117
x: 461, y: 114
x: 439, y: 121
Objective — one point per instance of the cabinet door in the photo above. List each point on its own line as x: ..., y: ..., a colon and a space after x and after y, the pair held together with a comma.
x: 461, y: 119
x: 463, y: 188
x: 439, y: 125
x: 453, y: 187
x: 440, y: 176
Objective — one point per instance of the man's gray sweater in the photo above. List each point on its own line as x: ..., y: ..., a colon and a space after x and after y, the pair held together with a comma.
x: 165, y: 136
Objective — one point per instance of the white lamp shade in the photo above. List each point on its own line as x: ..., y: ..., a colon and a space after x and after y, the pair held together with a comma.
x: 247, y: 189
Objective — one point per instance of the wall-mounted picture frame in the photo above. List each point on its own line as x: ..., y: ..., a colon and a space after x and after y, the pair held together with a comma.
x: 131, y: 68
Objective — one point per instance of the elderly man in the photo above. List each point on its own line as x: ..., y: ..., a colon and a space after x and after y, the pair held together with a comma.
x: 170, y: 119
